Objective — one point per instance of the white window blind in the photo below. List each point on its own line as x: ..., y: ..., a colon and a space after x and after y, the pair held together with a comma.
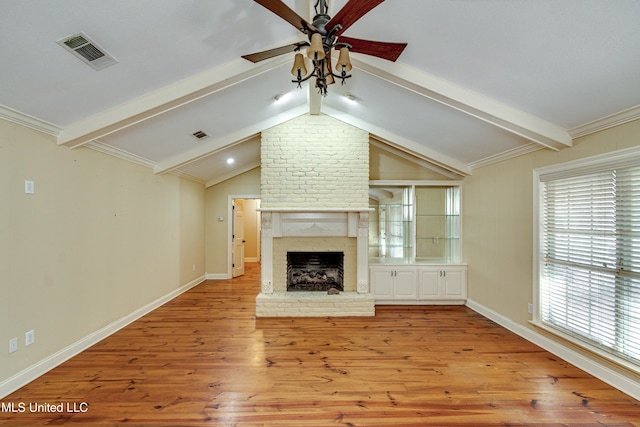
x: 589, y: 284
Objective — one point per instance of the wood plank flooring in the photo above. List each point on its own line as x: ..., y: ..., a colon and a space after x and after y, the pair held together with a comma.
x: 205, y: 360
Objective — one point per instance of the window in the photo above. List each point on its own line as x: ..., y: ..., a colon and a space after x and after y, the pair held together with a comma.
x: 588, y: 252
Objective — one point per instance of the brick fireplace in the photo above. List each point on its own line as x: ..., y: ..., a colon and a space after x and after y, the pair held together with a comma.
x: 314, y: 189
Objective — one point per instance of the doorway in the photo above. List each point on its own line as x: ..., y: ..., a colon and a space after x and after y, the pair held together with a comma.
x: 244, y: 245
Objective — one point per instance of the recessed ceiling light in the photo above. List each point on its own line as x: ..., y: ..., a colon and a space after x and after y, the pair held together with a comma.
x: 278, y: 97
x: 351, y: 97
x: 230, y: 160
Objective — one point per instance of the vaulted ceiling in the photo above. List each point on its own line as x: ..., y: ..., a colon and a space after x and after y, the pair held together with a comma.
x: 480, y: 80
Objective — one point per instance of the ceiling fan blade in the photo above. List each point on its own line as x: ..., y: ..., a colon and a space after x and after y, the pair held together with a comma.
x: 266, y: 54
x: 351, y: 12
x: 384, y: 50
x: 286, y: 13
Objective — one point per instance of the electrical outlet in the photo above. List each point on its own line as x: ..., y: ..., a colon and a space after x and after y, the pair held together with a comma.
x: 29, y: 337
x: 13, y: 345
x: 194, y: 267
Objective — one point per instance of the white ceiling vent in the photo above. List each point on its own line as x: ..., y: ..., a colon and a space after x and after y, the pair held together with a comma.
x: 87, y: 51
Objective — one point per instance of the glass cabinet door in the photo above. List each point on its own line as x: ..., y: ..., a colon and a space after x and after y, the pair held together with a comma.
x: 414, y: 223
x: 390, y: 223
x: 438, y: 224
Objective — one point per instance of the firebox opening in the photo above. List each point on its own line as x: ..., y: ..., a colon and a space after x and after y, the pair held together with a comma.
x: 315, y: 271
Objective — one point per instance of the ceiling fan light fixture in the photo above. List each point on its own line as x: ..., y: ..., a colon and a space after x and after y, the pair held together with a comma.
x: 325, y: 35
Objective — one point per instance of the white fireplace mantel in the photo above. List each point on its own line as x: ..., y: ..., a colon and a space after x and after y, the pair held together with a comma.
x: 282, y: 222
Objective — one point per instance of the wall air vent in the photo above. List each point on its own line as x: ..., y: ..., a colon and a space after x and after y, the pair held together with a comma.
x: 87, y: 51
x: 199, y: 135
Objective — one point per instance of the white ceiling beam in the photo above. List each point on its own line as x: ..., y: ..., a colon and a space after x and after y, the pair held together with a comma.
x: 440, y: 162
x: 165, y: 99
x: 211, y: 147
x: 479, y: 106
x: 314, y: 98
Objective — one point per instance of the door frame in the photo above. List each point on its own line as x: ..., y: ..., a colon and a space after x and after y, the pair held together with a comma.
x: 230, y: 198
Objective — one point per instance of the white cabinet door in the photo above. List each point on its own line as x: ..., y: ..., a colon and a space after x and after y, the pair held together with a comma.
x: 442, y: 283
x: 393, y: 283
x: 381, y: 283
x: 405, y: 284
x: 429, y: 287
x: 454, y: 286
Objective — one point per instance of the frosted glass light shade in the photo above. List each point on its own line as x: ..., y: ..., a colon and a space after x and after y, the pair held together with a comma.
x: 299, y: 68
x: 316, y: 51
x: 344, y: 63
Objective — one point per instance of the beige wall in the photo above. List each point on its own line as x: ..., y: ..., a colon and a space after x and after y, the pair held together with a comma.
x: 384, y: 165
x: 217, y: 205
x: 100, y: 238
x: 497, y: 220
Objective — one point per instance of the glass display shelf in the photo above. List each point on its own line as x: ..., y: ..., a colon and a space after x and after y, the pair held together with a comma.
x: 413, y: 223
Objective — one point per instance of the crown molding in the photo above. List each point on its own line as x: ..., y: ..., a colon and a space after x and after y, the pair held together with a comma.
x: 616, y: 119
x: 121, y: 154
x: 506, y: 155
x: 133, y: 158
x: 14, y: 116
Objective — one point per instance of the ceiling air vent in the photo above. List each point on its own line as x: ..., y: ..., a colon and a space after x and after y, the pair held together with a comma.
x: 199, y: 135
x: 87, y: 51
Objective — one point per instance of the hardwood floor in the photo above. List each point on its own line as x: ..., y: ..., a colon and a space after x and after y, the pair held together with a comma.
x: 204, y: 359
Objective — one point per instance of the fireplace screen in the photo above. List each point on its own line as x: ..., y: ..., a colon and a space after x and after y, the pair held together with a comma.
x: 315, y: 271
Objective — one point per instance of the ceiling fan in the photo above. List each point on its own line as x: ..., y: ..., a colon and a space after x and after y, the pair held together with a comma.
x: 325, y: 33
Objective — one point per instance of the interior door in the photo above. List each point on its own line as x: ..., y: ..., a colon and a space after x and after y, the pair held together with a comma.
x: 238, y: 239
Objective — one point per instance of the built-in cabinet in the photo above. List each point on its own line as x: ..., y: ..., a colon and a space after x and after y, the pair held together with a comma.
x: 419, y: 284
x: 415, y: 234
x: 393, y: 283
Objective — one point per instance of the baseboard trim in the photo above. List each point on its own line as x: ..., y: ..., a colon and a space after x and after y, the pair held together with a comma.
x: 217, y: 276
x: 34, y: 371
x: 599, y: 371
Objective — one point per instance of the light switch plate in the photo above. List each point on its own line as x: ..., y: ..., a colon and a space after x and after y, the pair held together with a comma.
x: 29, y: 187
x: 29, y: 337
x: 13, y: 345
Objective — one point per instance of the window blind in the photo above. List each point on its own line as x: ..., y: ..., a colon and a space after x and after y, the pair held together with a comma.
x: 590, y: 269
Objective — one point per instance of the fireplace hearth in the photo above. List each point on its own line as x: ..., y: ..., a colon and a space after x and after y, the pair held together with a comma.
x: 315, y: 271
